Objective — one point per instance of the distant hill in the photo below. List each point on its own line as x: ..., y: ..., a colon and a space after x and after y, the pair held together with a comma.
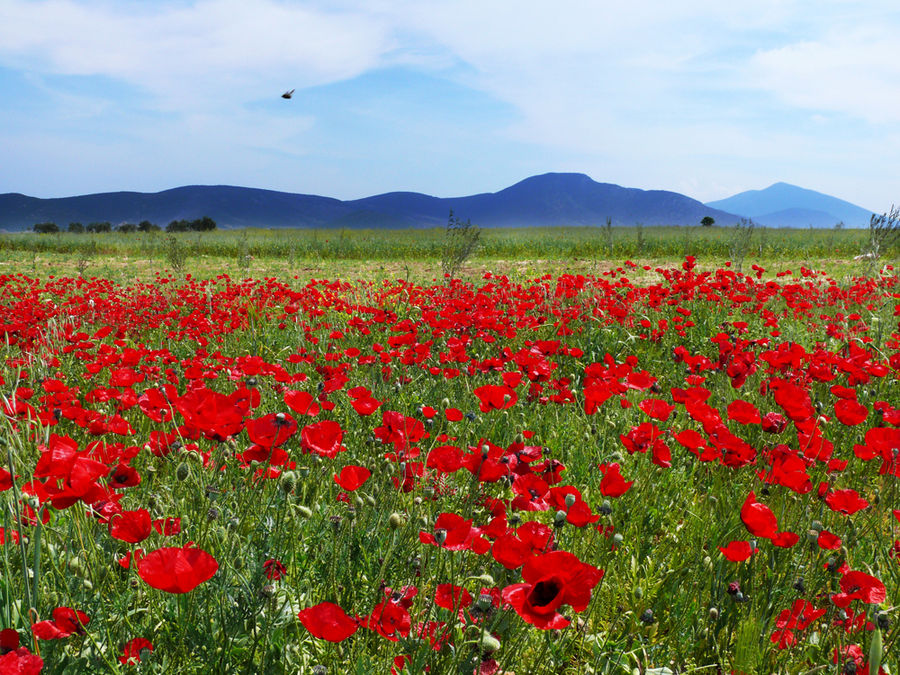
x: 785, y: 205
x: 549, y: 200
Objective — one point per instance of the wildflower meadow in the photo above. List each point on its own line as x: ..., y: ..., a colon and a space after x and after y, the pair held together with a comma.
x: 695, y: 471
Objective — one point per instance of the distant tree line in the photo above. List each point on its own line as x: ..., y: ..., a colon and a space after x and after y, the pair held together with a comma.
x: 204, y: 224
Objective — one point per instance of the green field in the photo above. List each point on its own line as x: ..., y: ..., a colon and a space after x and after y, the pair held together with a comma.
x: 418, y: 252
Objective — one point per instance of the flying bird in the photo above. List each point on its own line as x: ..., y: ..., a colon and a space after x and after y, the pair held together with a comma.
x: 288, y: 94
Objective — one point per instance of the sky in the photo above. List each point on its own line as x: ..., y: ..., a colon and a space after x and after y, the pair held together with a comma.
x: 703, y: 97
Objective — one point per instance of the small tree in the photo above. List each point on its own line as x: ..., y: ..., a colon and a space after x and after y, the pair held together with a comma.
x: 178, y: 226
x: 460, y: 241
x: 204, y: 224
x: 708, y: 221
x: 105, y: 226
x: 76, y: 228
x: 147, y: 226
x: 884, y: 232
x: 46, y: 228
x: 127, y: 228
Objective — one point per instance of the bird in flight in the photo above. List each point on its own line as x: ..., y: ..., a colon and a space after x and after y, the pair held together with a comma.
x: 288, y: 94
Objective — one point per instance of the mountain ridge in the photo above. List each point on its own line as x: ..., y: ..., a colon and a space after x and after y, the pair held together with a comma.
x: 786, y: 205
x: 546, y: 200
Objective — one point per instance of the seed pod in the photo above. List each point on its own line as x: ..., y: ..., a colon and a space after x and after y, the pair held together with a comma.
x: 395, y: 521
x: 288, y: 482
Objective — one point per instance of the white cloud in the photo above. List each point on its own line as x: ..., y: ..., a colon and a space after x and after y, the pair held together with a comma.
x: 855, y: 73
x: 213, y: 50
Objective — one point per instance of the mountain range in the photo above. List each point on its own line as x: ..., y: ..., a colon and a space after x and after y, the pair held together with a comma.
x: 785, y: 205
x: 548, y: 200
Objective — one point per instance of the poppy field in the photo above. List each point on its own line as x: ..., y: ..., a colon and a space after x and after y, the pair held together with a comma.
x: 696, y: 472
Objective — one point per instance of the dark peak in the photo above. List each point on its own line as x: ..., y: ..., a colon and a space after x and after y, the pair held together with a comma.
x: 555, y: 180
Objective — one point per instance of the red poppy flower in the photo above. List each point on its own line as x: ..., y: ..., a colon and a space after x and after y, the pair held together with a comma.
x: 301, y: 402
x: 271, y: 430
x: 352, y: 477
x: 177, y: 570
x: 860, y: 586
x: 121, y: 476
x: 274, y: 569
x: 9, y: 640
x: 849, y: 412
x: 550, y: 581
x: 743, y: 412
x: 510, y: 551
x: 846, y: 501
x: 455, y: 533
x: 65, y: 622
x: 738, y: 551
x: 167, y: 527
x: 613, y: 484
x: 496, y: 397
x: 131, y: 652
x: 785, y: 539
x: 390, y: 619
x: 21, y: 662
x: 828, y: 541
x: 453, y: 414
x: 130, y: 526
x: 445, y: 458
x: 774, y: 423
x: 328, y: 621
x: 324, y: 438
x: 452, y: 597
x: 758, y: 518
x: 656, y: 408
x: 365, y: 406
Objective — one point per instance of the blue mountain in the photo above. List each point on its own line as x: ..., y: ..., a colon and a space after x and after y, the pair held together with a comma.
x: 786, y: 205
x: 549, y: 200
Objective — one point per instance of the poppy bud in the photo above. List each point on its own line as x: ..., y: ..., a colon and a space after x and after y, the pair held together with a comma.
x: 618, y: 538
x: 883, y: 620
x: 182, y: 472
x: 559, y: 519
x: 799, y: 585
x: 370, y: 500
x: 713, y: 614
x: 395, y: 521
x: 445, y: 402
x: 817, y: 526
x: 647, y: 617
x: 288, y: 482
x: 212, y: 514
x: 638, y: 592
x: 486, y: 579
x: 605, y: 507
x: 440, y: 536
x: 304, y: 511
x: 319, y: 670
x: 488, y: 643
x: 267, y: 591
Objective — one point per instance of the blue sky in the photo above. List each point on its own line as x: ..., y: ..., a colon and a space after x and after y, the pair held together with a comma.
x: 703, y: 97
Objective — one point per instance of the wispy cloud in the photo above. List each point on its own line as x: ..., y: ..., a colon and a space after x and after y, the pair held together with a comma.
x: 700, y: 95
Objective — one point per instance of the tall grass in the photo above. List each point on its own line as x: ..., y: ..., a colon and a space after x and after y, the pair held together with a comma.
x: 538, y: 243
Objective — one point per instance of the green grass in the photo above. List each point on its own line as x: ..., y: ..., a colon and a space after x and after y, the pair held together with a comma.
x: 516, y: 243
